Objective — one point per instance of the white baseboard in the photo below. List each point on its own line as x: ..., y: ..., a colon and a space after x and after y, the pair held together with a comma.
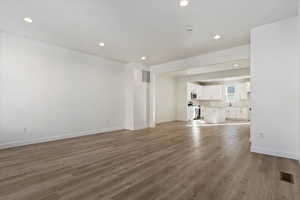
x: 165, y: 121
x: 57, y: 137
x: 272, y: 152
x: 141, y: 127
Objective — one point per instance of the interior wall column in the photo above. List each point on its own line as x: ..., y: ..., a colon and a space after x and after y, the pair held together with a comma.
x: 152, y: 100
x: 299, y: 80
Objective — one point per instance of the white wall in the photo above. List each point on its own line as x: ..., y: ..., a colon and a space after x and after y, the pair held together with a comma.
x: 137, y: 97
x: 275, y: 88
x: 141, y: 97
x: 299, y: 75
x: 166, y: 99
x: 129, y: 98
x: 226, y: 55
x: 217, y: 57
x: 48, y: 92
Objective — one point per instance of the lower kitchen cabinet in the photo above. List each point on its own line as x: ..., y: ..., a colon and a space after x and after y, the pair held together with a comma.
x: 237, y: 113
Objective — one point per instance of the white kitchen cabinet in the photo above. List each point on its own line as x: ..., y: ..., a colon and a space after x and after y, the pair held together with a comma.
x: 232, y: 113
x: 214, y: 115
x: 204, y: 93
x: 214, y: 92
x: 199, y: 91
x: 237, y: 113
x: 208, y: 92
x: 229, y: 113
x: 248, y: 87
x: 244, y: 89
x: 218, y: 92
x: 244, y: 113
x: 193, y: 89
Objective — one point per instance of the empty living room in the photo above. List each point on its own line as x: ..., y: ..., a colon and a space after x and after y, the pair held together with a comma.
x: 150, y: 100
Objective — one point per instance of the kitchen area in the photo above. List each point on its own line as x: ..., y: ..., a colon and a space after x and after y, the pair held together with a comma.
x: 219, y: 101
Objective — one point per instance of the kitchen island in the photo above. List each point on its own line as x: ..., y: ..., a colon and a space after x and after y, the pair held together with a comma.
x: 214, y: 115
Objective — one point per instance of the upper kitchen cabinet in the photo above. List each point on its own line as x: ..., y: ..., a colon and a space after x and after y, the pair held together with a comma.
x: 244, y: 90
x: 194, y: 91
x: 214, y: 92
x: 198, y: 92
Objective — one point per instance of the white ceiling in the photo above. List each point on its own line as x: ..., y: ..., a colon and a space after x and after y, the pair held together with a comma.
x: 135, y: 28
x: 237, y: 79
x: 232, y: 65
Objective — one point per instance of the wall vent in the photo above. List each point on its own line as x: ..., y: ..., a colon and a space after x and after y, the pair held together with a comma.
x: 287, y: 177
x: 146, y: 76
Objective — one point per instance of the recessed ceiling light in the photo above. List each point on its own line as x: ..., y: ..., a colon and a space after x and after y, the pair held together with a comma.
x: 184, y: 3
x: 144, y: 58
x: 101, y: 44
x: 28, y: 20
x: 188, y: 72
x: 236, y: 65
x: 217, y: 37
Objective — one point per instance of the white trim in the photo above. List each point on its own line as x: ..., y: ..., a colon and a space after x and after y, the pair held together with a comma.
x: 166, y: 121
x: 141, y: 127
x: 57, y: 137
x: 273, y: 152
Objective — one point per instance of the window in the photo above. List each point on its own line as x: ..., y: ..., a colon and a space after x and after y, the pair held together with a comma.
x: 231, y: 90
x: 231, y: 93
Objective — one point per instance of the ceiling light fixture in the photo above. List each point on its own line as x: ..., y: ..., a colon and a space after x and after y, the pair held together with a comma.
x: 144, y: 58
x: 236, y: 65
x: 28, y: 20
x: 184, y: 3
x: 217, y: 37
x: 101, y: 44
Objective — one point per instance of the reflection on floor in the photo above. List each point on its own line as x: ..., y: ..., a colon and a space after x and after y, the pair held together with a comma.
x: 198, y: 123
x: 169, y: 162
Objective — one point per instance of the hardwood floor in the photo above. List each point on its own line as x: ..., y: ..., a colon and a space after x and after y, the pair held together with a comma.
x: 173, y: 161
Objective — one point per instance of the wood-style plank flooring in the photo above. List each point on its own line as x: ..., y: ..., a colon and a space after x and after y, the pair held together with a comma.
x: 171, y: 162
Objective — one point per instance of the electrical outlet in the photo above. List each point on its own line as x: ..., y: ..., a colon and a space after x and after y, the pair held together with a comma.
x: 25, y: 130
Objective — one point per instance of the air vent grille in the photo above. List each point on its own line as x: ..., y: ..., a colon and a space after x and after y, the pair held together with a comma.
x: 287, y: 177
x: 146, y: 76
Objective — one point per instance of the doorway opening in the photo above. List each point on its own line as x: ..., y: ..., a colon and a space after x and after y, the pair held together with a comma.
x: 219, y: 101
